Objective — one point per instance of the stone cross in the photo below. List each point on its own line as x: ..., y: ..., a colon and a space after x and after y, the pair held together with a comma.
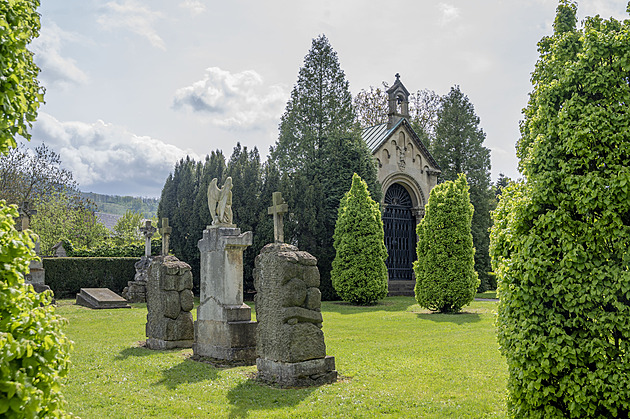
x: 278, y: 209
x: 165, y: 231
x: 26, y: 212
x: 148, y: 230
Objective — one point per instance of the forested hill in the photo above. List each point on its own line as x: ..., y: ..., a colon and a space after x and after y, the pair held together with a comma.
x: 114, y: 204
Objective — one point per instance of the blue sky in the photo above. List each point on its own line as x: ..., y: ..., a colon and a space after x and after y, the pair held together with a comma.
x: 132, y: 86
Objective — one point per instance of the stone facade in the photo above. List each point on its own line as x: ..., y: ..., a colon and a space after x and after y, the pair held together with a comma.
x: 170, y: 301
x: 403, y: 164
x: 224, y: 329
x: 290, y: 342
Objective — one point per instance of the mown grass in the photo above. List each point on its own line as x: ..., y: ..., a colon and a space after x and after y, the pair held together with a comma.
x: 487, y: 294
x: 394, y: 360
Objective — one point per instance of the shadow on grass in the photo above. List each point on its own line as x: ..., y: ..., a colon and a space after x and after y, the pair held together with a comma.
x: 134, y: 351
x: 187, y: 371
x: 389, y: 304
x: 456, y: 318
x: 253, y: 395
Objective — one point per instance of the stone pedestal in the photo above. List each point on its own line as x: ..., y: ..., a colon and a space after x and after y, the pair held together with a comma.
x: 290, y: 342
x: 224, y: 329
x: 36, y: 274
x: 170, y: 301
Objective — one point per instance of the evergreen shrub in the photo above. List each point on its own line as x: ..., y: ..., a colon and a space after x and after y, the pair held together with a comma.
x: 445, y: 270
x: 66, y: 276
x: 359, y: 274
x: 561, y: 240
x: 34, y: 351
x: 111, y: 250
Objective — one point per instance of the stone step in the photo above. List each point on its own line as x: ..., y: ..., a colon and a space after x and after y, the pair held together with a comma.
x: 401, y: 288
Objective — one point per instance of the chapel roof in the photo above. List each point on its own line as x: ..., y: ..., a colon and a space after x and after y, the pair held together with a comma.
x: 376, y: 135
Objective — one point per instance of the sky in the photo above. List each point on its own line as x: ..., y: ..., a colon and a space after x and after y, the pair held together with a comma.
x: 133, y: 86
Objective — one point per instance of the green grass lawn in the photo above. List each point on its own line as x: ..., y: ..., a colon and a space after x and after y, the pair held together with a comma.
x: 394, y: 360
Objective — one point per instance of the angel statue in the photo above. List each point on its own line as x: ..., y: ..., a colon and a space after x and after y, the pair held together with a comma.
x: 220, y: 202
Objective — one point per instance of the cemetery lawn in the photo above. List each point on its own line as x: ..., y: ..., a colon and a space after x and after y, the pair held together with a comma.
x: 394, y: 360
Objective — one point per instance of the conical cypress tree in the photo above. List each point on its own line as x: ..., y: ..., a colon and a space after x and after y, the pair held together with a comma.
x: 445, y: 270
x: 359, y: 274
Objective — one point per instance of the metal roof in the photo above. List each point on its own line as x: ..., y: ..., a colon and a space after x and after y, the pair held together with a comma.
x: 374, y: 136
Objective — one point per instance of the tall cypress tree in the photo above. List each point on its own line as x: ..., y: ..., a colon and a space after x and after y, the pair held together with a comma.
x: 458, y: 148
x: 318, y: 149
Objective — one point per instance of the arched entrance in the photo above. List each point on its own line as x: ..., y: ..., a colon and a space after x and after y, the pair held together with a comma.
x: 399, y: 224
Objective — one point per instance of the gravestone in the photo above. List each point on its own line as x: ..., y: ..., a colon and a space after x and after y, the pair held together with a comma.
x: 289, y: 340
x: 223, y: 329
x: 36, y: 274
x: 136, y: 290
x: 169, y: 303
x: 99, y: 298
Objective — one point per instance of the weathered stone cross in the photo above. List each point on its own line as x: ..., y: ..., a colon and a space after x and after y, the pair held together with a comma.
x: 278, y: 209
x: 165, y: 231
x: 148, y: 231
x: 26, y: 212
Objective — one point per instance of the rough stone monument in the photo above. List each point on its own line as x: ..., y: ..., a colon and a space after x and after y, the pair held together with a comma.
x: 36, y: 275
x: 170, y: 301
x: 223, y: 329
x: 136, y: 290
x: 289, y: 340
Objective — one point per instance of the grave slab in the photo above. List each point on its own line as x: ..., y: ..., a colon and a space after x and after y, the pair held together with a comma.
x: 99, y: 298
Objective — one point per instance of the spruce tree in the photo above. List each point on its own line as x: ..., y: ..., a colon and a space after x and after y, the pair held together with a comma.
x: 318, y: 149
x: 445, y: 276
x: 561, y: 239
x: 359, y: 274
x: 458, y: 148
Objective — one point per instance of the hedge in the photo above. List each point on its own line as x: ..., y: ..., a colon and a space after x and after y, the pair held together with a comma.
x: 66, y: 276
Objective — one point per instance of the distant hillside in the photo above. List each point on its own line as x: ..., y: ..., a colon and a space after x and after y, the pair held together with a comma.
x: 114, y: 204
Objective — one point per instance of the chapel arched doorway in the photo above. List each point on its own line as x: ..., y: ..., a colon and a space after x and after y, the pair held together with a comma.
x: 399, y: 224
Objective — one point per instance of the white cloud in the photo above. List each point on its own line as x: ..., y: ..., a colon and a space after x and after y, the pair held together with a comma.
x: 195, y: 6
x: 101, y: 154
x: 134, y: 17
x: 55, y: 67
x: 232, y: 100
x: 448, y: 12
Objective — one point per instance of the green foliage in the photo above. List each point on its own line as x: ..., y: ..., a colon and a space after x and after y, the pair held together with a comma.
x: 359, y: 274
x: 318, y: 149
x: 458, y: 148
x: 127, y: 229
x: 109, y: 249
x: 34, y: 352
x: 66, y: 216
x: 119, y: 205
x: 445, y: 276
x: 20, y: 92
x: 561, y: 236
x: 66, y: 276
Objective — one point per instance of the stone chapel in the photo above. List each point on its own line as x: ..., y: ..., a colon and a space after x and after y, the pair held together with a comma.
x: 407, y: 172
